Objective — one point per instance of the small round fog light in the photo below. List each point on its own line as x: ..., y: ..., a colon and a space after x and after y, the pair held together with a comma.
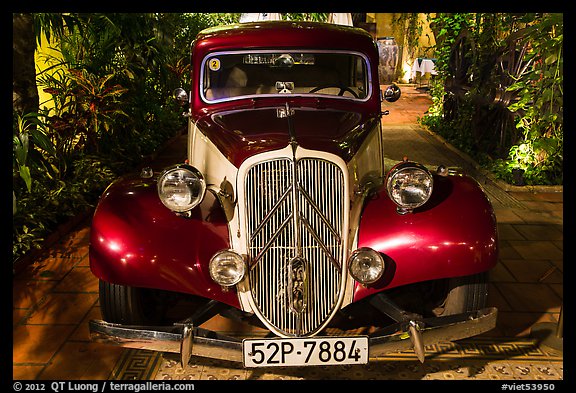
x: 366, y: 265
x: 227, y: 268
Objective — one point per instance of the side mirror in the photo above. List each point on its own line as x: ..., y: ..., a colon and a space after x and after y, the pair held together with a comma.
x: 392, y: 93
x: 180, y: 96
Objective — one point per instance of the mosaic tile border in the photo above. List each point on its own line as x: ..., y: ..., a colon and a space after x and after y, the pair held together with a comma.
x: 484, y: 349
x: 491, y: 358
x: 137, y: 365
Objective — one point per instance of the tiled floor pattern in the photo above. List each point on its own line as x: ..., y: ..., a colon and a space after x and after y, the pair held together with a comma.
x: 55, y: 296
x: 473, y: 359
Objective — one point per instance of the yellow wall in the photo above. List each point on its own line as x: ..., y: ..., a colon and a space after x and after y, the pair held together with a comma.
x: 45, y: 58
x: 385, y: 27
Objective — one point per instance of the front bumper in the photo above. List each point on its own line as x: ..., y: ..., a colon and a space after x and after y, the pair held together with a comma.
x: 191, y: 341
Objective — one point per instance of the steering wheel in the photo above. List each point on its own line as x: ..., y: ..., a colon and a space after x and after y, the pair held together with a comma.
x: 343, y: 89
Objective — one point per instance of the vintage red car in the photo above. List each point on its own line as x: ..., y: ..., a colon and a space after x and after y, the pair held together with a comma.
x: 284, y: 215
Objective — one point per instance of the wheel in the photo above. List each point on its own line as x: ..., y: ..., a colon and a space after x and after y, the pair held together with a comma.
x: 458, y: 81
x: 462, y: 57
x: 494, y: 130
x: 444, y: 297
x: 462, y: 294
x: 493, y: 126
x: 343, y: 89
x: 129, y: 305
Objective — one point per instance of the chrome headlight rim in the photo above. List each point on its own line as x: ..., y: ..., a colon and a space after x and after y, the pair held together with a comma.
x: 376, y: 257
x: 400, y: 169
x: 186, y: 170
x: 216, y: 266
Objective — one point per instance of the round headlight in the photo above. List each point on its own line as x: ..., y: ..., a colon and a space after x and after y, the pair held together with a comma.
x: 366, y: 265
x: 227, y: 268
x: 181, y: 188
x: 409, y: 185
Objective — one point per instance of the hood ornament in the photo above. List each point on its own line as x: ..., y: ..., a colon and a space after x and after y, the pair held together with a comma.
x: 283, y: 112
x: 298, y: 285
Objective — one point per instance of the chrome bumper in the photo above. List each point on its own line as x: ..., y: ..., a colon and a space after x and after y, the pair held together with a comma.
x: 191, y: 341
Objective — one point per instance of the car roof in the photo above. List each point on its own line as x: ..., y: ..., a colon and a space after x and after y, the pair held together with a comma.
x: 284, y: 34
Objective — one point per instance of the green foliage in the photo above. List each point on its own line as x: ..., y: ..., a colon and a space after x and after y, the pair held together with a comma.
x: 112, y: 94
x: 29, y: 143
x: 446, y: 29
x: 540, y: 152
x: 54, y: 26
x: 526, y: 115
x: 51, y: 201
x: 413, y: 25
x: 311, y: 17
x: 87, y: 107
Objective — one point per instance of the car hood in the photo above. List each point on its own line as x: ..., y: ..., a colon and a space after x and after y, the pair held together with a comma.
x: 240, y: 134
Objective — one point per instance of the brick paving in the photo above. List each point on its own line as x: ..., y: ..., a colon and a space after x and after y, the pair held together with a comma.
x: 55, y: 296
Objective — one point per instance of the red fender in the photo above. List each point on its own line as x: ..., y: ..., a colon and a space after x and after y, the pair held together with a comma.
x: 136, y: 241
x: 453, y: 234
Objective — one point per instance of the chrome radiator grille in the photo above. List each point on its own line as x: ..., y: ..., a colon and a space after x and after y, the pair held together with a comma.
x: 295, y: 213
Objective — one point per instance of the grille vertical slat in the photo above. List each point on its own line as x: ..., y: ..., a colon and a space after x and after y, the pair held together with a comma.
x: 270, y: 203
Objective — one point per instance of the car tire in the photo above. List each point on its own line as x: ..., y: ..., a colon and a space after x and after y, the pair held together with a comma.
x: 129, y: 305
x: 464, y: 294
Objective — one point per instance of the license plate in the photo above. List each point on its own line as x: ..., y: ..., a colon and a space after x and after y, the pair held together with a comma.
x: 310, y: 351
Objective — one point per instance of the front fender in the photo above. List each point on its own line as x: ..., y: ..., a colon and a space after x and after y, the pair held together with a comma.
x: 453, y: 234
x: 136, y: 241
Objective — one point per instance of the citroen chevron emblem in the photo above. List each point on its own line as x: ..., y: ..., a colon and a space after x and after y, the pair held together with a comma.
x: 298, y: 285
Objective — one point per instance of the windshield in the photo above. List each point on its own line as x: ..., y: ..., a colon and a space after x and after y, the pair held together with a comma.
x: 232, y: 75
